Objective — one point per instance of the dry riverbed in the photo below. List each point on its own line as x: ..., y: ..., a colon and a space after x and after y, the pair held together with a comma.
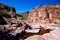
x: 41, y: 32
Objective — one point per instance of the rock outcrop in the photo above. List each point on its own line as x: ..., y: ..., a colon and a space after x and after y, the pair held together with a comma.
x: 46, y: 17
x: 45, y: 14
x: 5, y: 9
x: 10, y: 26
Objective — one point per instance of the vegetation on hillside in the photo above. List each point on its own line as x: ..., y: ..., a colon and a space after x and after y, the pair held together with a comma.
x: 23, y: 15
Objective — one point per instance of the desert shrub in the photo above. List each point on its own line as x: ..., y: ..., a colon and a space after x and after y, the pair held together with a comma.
x: 23, y: 15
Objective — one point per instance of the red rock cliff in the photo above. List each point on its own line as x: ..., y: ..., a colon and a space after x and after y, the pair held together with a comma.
x: 45, y: 14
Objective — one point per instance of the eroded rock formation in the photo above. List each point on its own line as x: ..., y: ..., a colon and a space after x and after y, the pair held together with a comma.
x: 9, y: 26
x: 12, y: 27
x: 5, y: 9
x: 45, y: 14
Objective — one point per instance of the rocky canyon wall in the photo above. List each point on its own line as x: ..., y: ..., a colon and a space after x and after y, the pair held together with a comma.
x: 45, y: 14
x: 6, y: 9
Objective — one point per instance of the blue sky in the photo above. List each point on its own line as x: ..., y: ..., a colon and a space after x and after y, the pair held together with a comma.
x: 26, y: 5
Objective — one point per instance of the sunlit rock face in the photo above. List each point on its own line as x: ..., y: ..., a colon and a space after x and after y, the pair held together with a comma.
x: 45, y: 14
